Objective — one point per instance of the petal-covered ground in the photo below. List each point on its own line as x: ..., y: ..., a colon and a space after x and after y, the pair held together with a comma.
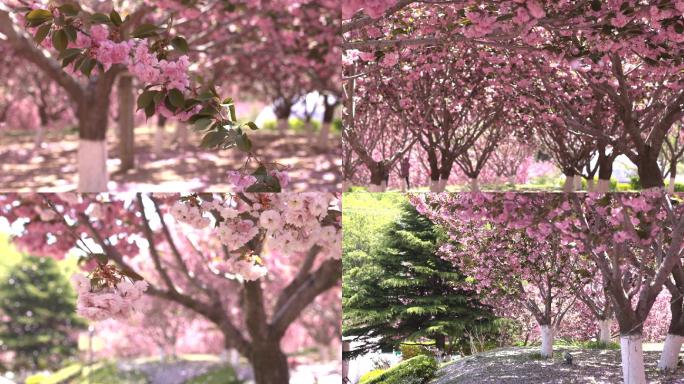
x: 522, y: 365
x: 53, y: 167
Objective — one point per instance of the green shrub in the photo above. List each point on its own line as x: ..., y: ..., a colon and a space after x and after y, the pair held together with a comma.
x: 371, y: 375
x: 418, y: 370
x: 679, y: 187
x: 635, y: 183
x: 600, y: 345
x: 409, y: 351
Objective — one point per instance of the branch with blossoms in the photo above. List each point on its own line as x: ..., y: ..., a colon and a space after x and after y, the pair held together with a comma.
x: 237, y: 242
x: 88, y: 42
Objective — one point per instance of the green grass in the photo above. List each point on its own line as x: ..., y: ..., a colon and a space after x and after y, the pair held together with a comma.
x: 100, y: 373
x: 223, y: 375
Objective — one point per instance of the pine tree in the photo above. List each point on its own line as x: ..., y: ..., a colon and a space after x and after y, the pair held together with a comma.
x: 404, y: 291
x: 39, y: 305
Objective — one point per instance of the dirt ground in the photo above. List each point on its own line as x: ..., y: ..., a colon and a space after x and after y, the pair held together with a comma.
x: 52, y: 168
x: 519, y: 365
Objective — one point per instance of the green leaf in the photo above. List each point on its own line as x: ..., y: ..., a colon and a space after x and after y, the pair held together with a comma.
x: 38, y: 17
x: 71, y: 33
x: 233, y: 116
x: 203, y: 123
x: 42, y: 33
x: 176, y: 98
x: 180, y: 44
x: 68, y: 53
x: 116, y: 18
x: 59, y: 40
x: 70, y: 59
x: 99, y: 18
x: 252, y: 126
x: 212, y: 139
x: 243, y: 143
x: 145, y: 99
x: 87, y: 66
x: 150, y: 109
x: 145, y: 30
x: 69, y: 9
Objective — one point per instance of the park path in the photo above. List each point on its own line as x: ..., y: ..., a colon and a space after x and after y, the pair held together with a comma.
x: 517, y: 365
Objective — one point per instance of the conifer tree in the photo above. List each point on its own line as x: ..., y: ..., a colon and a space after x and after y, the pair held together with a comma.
x: 39, y: 305
x: 404, y: 291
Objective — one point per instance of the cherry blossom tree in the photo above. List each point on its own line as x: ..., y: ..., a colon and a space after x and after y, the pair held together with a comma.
x: 633, y: 240
x: 607, y: 72
x: 248, y: 263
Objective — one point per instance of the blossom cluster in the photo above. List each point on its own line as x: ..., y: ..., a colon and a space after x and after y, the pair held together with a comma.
x: 104, y: 301
x: 291, y: 223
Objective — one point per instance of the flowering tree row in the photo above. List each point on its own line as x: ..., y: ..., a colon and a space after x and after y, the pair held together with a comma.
x: 614, y: 254
x: 176, y: 58
x: 585, y: 81
x: 248, y: 263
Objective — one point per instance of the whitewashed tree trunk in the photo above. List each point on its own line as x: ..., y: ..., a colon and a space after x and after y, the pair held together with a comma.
x: 578, y: 182
x: 158, y: 145
x: 569, y: 184
x: 603, y: 186
x: 443, y: 184
x: 434, y: 185
x: 324, y: 135
x: 632, y: 360
x: 346, y: 185
x: 309, y: 129
x: 590, y: 185
x: 345, y: 363
x: 377, y: 188
x: 283, y: 125
x: 604, y: 330
x: 671, y: 186
x: 474, y: 185
x: 670, y: 355
x: 547, y: 341
x: 39, y: 138
x: 92, y: 166
x: 181, y: 134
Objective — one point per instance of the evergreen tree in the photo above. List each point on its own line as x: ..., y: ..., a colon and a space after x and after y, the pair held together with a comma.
x: 39, y: 305
x: 404, y: 291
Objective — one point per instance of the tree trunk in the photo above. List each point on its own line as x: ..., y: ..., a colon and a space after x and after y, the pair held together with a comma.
x: 569, y: 184
x: 158, y: 144
x: 126, y: 123
x: 649, y: 172
x: 39, y: 138
x: 324, y: 135
x: 378, y: 183
x: 603, y: 186
x: 474, y: 185
x: 92, y: 114
x: 670, y: 355
x: 440, y: 342
x: 346, y: 185
x: 675, y: 333
x: 309, y: 130
x: 328, y: 115
x: 578, y: 182
x: 590, y: 185
x: 181, y: 134
x: 345, y: 363
x: 632, y: 359
x: 547, y: 341
x: 283, y: 125
x: 270, y: 364
x: 604, y: 330
x: 434, y: 185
